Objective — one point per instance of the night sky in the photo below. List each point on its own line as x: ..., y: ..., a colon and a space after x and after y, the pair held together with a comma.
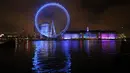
x: 97, y: 14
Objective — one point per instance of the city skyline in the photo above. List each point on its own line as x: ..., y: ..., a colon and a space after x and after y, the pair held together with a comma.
x: 101, y: 14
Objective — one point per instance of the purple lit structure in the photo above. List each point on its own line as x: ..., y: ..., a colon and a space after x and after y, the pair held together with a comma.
x: 108, y: 36
x: 92, y: 34
x: 71, y: 36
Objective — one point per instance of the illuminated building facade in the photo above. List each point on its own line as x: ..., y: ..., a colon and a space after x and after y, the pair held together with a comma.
x: 71, y: 36
x: 91, y: 34
x: 48, y: 30
x: 108, y: 36
x: 45, y: 29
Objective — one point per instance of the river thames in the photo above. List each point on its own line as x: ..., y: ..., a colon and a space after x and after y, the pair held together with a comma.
x: 65, y: 56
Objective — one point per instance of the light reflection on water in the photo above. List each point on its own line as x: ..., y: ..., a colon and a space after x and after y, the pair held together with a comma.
x: 87, y: 45
x: 55, y: 56
x: 108, y: 46
x: 47, y: 59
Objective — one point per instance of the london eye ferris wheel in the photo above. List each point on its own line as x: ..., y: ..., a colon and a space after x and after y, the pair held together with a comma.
x: 52, y: 20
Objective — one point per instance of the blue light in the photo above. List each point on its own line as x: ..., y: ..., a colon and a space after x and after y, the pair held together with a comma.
x: 46, y: 61
x: 48, y: 30
x: 87, y: 47
x: 75, y: 45
x: 66, y: 48
x: 93, y: 36
x: 45, y: 29
x: 67, y: 36
x: 57, y: 5
x: 71, y: 36
x: 75, y: 36
x: 90, y: 35
x: 41, y: 54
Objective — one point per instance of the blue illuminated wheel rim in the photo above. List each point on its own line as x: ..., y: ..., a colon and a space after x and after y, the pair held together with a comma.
x: 59, y: 6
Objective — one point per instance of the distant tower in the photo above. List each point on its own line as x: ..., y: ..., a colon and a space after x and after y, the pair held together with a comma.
x: 88, y: 34
x: 87, y: 29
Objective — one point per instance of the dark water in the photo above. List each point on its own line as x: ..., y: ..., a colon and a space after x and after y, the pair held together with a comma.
x: 67, y: 56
